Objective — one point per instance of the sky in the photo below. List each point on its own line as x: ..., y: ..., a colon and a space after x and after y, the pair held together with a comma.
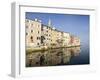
x: 75, y: 24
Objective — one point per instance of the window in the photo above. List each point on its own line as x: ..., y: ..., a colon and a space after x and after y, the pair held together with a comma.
x: 31, y: 31
x: 31, y: 38
x: 37, y: 43
x: 37, y: 38
x: 38, y: 32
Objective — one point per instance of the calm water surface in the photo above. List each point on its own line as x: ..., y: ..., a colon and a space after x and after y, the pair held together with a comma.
x: 61, y: 56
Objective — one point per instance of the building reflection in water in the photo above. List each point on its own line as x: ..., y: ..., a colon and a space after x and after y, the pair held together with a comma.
x: 52, y: 57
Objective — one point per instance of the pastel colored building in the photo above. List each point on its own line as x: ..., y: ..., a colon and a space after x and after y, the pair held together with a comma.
x: 66, y: 39
x: 39, y: 35
x: 75, y: 41
x: 45, y: 35
x: 33, y: 33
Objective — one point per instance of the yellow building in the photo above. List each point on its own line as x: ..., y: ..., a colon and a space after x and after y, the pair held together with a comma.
x: 46, y: 35
x: 75, y: 41
x: 33, y: 33
x: 39, y: 35
x: 59, y: 38
x: 53, y: 37
x: 66, y: 39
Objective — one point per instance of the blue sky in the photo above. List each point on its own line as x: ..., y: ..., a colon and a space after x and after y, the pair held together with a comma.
x: 73, y: 23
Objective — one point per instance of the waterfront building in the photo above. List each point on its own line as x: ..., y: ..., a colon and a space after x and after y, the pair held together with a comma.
x: 54, y: 38
x: 33, y: 33
x: 39, y: 35
x: 75, y: 41
x: 59, y: 38
x: 46, y: 35
x: 66, y: 39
